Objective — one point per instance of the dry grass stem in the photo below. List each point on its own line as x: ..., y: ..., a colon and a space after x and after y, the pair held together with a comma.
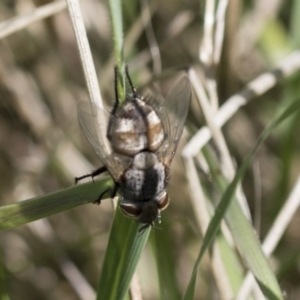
x: 226, y: 162
x: 252, y: 90
x: 202, y: 215
x: 154, y: 49
x: 85, y: 53
x: 219, y: 31
x: 21, y: 22
x: 206, y: 44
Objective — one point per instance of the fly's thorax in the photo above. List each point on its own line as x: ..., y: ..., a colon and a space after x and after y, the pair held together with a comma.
x: 135, y: 127
x: 146, y: 212
x: 145, y: 160
x: 144, y: 179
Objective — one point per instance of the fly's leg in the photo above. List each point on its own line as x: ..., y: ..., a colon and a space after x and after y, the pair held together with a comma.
x: 111, y: 191
x: 93, y: 174
x: 116, y: 105
x: 116, y: 93
x: 134, y: 91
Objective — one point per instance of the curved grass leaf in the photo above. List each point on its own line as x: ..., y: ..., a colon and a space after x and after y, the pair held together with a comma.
x: 26, y: 211
x: 242, y: 230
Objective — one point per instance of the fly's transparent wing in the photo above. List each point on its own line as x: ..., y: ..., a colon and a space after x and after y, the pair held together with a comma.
x: 175, y: 108
x: 93, y: 123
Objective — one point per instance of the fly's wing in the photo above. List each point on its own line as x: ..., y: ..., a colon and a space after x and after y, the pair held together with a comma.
x: 173, y: 113
x: 93, y: 122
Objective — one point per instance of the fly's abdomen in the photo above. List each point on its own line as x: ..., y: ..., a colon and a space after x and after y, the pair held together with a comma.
x: 135, y: 128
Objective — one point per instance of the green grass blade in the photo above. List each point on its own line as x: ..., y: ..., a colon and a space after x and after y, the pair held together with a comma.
x: 295, y: 22
x: 26, y: 211
x: 255, y: 259
x: 122, y: 255
x: 231, y: 262
x: 164, y: 249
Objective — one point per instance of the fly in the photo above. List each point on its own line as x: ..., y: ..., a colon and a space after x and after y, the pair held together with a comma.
x: 142, y: 135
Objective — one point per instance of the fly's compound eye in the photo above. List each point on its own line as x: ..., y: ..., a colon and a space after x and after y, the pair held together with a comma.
x: 131, y: 210
x: 163, y: 201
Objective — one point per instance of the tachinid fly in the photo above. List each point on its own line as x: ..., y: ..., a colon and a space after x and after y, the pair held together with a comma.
x: 142, y: 135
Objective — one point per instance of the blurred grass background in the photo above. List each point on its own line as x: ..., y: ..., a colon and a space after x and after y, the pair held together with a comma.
x: 42, y: 148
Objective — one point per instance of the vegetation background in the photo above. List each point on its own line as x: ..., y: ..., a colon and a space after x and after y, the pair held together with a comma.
x: 42, y: 148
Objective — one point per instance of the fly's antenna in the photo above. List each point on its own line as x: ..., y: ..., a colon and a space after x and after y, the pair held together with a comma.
x: 116, y: 92
x: 134, y: 91
x: 158, y: 217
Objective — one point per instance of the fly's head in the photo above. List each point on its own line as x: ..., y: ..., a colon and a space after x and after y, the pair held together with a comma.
x: 147, y: 211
